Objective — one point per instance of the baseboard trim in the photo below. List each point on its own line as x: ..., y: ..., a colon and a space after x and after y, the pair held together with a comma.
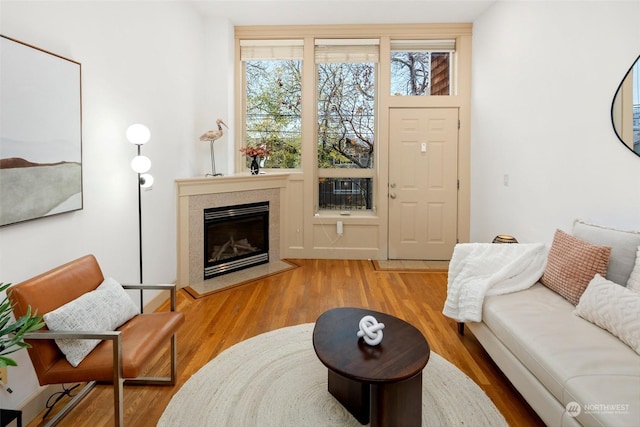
x: 32, y: 406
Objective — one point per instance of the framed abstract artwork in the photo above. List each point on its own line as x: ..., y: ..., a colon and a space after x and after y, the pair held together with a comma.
x: 40, y: 133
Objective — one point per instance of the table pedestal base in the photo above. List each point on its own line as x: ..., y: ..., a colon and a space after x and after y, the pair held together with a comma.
x: 397, y: 404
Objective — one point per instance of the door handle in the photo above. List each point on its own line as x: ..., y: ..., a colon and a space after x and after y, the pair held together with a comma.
x: 392, y: 185
x: 392, y: 195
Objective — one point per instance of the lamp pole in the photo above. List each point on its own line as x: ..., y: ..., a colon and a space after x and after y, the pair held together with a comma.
x: 140, y: 230
x: 138, y: 135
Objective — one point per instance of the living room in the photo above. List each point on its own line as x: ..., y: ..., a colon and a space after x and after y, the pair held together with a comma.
x: 543, y: 77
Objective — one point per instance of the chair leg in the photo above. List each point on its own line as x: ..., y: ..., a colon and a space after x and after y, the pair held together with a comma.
x: 118, y: 383
x: 174, y: 358
x: 118, y: 402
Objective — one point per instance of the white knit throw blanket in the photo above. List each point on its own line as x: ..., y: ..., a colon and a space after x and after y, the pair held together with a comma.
x: 477, y: 270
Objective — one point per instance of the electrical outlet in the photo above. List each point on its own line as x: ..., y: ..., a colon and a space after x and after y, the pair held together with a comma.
x: 339, y: 228
x: 4, y: 376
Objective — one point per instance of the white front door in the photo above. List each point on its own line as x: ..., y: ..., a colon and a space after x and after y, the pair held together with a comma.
x: 423, y: 183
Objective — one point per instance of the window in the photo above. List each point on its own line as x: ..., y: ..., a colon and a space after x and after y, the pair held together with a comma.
x: 345, y: 193
x: 312, y: 99
x: 273, y: 99
x: 346, y: 122
x: 345, y: 186
x: 421, y: 67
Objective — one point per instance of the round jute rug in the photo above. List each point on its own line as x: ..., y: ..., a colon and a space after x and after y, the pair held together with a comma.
x: 275, y: 379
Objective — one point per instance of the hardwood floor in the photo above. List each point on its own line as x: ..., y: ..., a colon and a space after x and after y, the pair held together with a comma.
x: 216, y: 322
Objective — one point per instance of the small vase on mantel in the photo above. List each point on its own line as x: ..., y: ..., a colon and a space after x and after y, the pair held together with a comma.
x: 255, y: 166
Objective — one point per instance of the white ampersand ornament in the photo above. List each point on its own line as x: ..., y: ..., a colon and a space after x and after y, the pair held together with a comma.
x: 370, y: 330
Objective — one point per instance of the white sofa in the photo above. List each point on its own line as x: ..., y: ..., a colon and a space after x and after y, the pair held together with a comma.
x: 570, y: 371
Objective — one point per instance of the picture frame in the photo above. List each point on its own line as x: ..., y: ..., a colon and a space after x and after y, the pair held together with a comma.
x: 40, y: 133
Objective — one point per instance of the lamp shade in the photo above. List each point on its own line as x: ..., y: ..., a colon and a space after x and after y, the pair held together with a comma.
x: 141, y: 164
x: 138, y: 134
x: 146, y: 180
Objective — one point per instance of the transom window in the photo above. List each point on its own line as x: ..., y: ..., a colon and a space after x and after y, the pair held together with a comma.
x: 421, y: 67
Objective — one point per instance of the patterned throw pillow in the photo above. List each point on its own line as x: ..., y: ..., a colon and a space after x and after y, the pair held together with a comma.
x: 634, y: 279
x: 614, y: 308
x: 103, y: 309
x: 571, y: 265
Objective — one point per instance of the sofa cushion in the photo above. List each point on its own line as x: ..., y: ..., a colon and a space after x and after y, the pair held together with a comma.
x: 566, y: 352
x: 571, y: 265
x: 104, y: 309
x: 614, y: 308
x: 624, y: 246
x: 604, y: 405
x: 634, y: 278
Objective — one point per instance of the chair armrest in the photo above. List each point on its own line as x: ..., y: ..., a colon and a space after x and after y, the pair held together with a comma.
x: 165, y: 287
x: 115, y: 336
x: 162, y: 287
x: 57, y: 335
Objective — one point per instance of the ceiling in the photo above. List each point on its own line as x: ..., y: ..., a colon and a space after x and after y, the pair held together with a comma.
x: 310, y: 12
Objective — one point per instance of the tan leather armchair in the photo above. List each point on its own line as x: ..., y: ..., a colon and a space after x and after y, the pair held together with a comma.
x: 122, y: 354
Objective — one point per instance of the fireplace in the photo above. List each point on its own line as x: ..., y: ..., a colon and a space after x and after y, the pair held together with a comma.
x: 235, y: 237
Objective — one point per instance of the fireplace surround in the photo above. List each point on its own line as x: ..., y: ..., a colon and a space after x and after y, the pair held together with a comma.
x: 197, y: 194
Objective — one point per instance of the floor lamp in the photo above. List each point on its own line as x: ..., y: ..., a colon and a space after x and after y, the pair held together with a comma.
x: 139, y: 135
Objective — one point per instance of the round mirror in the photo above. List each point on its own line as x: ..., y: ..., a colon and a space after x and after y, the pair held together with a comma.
x: 625, y: 110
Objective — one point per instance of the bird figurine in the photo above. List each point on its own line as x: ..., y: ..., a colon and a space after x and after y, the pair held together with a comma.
x: 214, y: 134
x: 211, y: 136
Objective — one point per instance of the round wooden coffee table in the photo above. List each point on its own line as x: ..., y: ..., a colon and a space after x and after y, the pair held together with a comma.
x: 381, y: 384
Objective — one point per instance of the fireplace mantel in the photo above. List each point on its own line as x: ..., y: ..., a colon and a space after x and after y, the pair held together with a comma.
x: 196, y: 194
x: 225, y: 184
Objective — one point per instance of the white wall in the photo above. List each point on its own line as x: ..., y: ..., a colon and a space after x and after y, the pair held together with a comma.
x: 141, y: 62
x: 544, y: 76
x: 218, y: 94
